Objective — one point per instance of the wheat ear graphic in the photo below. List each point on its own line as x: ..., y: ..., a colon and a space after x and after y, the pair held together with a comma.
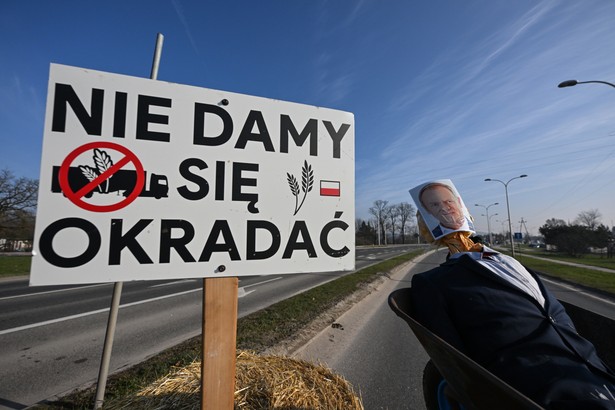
x: 294, y: 188
x: 307, y: 182
x: 103, y: 162
x: 90, y: 174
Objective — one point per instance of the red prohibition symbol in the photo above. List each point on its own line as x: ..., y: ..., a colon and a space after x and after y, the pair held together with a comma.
x: 76, y: 197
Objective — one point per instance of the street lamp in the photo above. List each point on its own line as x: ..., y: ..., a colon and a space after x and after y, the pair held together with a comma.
x: 491, y: 216
x: 489, y: 224
x: 488, y: 221
x: 502, y: 222
x: 512, y: 243
x: 570, y: 83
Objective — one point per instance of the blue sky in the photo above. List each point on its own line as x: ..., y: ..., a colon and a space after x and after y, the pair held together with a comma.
x: 465, y: 90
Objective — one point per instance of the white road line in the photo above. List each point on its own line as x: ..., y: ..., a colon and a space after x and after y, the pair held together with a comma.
x: 242, y: 290
x: 172, y: 283
x: 95, y: 312
x: 53, y: 291
x: 261, y: 283
x: 604, y: 300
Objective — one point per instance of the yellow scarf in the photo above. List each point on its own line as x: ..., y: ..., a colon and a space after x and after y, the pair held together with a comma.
x: 455, y: 241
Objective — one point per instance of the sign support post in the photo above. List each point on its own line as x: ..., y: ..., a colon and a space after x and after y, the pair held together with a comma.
x: 117, y: 288
x: 108, y: 346
x: 219, y: 343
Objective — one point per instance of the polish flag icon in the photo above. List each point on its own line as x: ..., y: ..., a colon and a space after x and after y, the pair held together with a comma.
x: 329, y: 188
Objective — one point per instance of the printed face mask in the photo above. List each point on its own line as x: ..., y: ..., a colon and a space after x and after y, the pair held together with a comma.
x: 442, y: 208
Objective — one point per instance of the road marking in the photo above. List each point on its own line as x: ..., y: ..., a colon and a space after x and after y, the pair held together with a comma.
x: 53, y: 291
x: 262, y: 283
x: 573, y: 288
x: 241, y: 292
x: 95, y: 312
x: 172, y: 283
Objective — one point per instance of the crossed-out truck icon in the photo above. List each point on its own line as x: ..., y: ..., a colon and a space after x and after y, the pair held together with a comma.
x: 156, y: 186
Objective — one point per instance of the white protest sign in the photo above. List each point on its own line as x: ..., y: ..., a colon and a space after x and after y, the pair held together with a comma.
x: 143, y: 179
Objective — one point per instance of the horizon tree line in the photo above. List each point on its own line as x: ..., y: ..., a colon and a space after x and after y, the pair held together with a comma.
x: 389, y: 224
x: 396, y: 223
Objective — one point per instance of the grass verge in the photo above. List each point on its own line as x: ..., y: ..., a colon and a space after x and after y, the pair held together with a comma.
x: 604, y: 281
x: 592, y: 259
x: 15, y: 265
x: 255, y: 332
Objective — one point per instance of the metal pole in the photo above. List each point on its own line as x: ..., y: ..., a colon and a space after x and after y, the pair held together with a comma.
x: 489, y: 227
x: 157, y: 54
x: 108, y: 346
x: 488, y: 219
x: 512, y: 243
x: 117, y: 288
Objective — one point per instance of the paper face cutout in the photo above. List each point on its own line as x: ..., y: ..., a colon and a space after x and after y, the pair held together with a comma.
x: 442, y: 208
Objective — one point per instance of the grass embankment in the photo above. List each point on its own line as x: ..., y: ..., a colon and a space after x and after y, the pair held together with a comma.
x: 255, y: 332
x: 591, y: 259
x: 17, y: 265
x: 604, y: 281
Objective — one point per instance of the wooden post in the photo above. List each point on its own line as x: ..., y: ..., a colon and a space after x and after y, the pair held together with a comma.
x: 219, y: 343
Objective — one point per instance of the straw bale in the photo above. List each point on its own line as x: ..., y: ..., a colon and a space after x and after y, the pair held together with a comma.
x: 262, y: 383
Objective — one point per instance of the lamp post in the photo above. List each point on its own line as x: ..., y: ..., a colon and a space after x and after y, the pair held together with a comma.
x: 495, y: 214
x: 512, y: 243
x: 502, y: 222
x: 488, y: 221
x: 570, y: 83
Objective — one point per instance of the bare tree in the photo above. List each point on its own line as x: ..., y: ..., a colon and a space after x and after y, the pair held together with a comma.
x: 378, y: 211
x: 392, y: 214
x: 17, y: 204
x: 405, y: 211
x: 590, y: 218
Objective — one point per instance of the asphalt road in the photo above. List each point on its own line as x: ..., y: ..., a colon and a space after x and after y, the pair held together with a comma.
x: 52, y: 337
x: 375, y: 350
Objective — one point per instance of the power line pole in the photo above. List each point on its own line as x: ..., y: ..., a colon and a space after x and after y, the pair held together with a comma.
x: 523, y: 225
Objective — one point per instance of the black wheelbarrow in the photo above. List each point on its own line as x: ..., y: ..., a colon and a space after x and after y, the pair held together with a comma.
x: 451, y: 380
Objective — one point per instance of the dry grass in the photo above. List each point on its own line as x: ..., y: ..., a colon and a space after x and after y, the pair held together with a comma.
x: 262, y: 383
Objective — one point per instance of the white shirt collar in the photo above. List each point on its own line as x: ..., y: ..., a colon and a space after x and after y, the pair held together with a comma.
x: 476, y: 255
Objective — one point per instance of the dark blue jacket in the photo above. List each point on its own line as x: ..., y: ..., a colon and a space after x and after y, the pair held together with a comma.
x: 505, y: 330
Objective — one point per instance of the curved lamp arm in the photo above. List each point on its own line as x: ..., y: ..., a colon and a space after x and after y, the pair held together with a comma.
x: 570, y: 83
